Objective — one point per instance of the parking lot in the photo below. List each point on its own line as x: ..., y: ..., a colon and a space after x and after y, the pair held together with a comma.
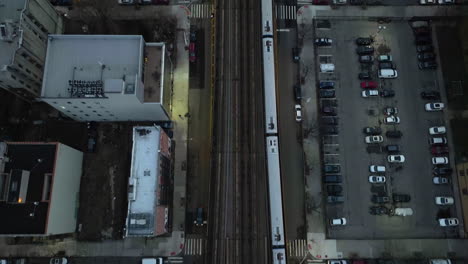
x: 349, y: 150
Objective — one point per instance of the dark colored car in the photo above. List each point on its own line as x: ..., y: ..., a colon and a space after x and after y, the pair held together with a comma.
x: 387, y: 65
x: 364, y: 41
x: 328, y: 120
x: 436, y: 150
x: 372, y: 130
x: 326, y: 85
x: 323, y: 42
x: 92, y: 136
x: 387, y: 93
x: 330, y: 130
x: 427, y: 65
x: 199, y: 217
x: 423, y: 39
x: 364, y: 50
x: 321, y: 2
x: 378, y: 210
x: 392, y: 148
x: 401, y: 198
x: 329, y: 110
x: 366, y: 59
x: 380, y: 199
x: 334, y: 189
x: 364, y: 76
x: 369, y: 85
x: 331, y: 168
x: 193, y: 34
x: 424, y: 48
x: 161, y: 2
x: 332, y: 179
x: 335, y: 199
x: 394, y: 134
x: 356, y: 2
x: 442, y: 171
x: 430, y: 95
x: 295, y: 54
x: 327, y: 93
x: 426, y: 56
x: 297, y: 92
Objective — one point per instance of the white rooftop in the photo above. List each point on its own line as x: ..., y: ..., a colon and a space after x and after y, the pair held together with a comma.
x: 143, y: 181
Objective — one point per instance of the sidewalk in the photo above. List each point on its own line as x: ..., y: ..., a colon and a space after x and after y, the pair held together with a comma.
x: 318, y: 245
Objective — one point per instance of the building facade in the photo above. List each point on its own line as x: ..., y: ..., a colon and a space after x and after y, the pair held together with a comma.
x: 39, y: 188
x: 24, y: 26
x: 107, y: 78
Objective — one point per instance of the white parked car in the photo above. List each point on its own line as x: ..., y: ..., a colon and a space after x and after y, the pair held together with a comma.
x: 338, y: 221
x: 58, y: 261
x: 446, y: 2
x: 369, y: 93
x: 448, y: 222
x: 374, y: 139
x: 396, y: 158
x: 376, y: 179
x: 427, y: 2
x: 444, y: 200
x: 327, y: 67
x: 337, y: 261
x: 440, y: 160
x: 298, y: 110
x: 377, y: 168
x: 434, y: 107
x: 384, y: 58
x: 440, y: 180
x: 126, y: 2
x: 437, y: 130
x: 392, y: 120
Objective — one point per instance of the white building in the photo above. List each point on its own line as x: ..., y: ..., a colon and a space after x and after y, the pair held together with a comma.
x: 107, y: 78
x: 149, y: 186
x: 39, y: 188
x: 24, y: 26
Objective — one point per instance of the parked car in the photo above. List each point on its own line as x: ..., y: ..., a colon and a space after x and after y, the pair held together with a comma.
x: 394, y: 134
x: 332, y: 179
x: 396, y: 158
x: 327, y: 93
x: 334, y: 168
x: 369, y: 85
x: 323, y: 41
x: 335, y: 199
x: 387, y: 93
x: 423, y: 39
x: 327, y: 67
x: 387, y: 65
x: 58, y: 261
x: 440, y: 180
x: 339, y: 2
x: 438, y: 141
x: 338, y: 261
x: 328, y: 120
x: 326, y: 85
x: 364, y: 41
x: 440, y: 160
x: 338, y: 221
x: 366, y: 59
x: 427, y: 2
x: 364, y: 50
x: 377, y: 169
x: 448, y: 222
x: 444, y: 200
x: 430, y: 95
x: 434, y: 107
x: 126, y: 2
x: 436, y: 150
x: 378, y: 210
x: 401, y: 198
x: 334, y: 189
x: 298, y: 110
x: 437, y: 130
x: 297, y: 92
x: 192, y: 53
x: 442, y: 171
x: 373, y: 139
x: 329, y: 110
x: 426, y: 56
x: 380, y: 199
x: 384, y: 58
x: 193, y: 33
x: 446, y: 2
x: 376, y: 179
x: 424, y: 48
x: 372, y: 130
x: 387, y: 74
x: 388, y: 111
x: 330, y: 130
x: 364, y: 75
x: 427, y: 65
x: 391, y: 120
x: 369, y: 93
x: 295, y: 54
x: 392, y: 148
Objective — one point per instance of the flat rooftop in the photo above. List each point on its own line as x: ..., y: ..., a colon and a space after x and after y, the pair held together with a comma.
x: 90, y: 58
x: 10, y: 12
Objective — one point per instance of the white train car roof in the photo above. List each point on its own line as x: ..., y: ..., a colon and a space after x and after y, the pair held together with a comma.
x: 271, y: 124
x: 274, y: 187
x: 279, y: 256
x: 267, y: 18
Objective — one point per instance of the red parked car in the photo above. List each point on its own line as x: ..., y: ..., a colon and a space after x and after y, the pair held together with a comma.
x: 435, y: 150
x: 192, y: 55
x: 369, y: 85
x: 321, y: 2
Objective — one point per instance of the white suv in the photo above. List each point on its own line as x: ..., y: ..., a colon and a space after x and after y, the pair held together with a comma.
x: 298, y: 110
x: 440, y: 160
x: 376, y: 168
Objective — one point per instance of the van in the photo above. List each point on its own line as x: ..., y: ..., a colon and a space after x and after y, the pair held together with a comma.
x: 332, y: 179
x: 327, y: 67
x: 438, y: 141
x: 388, y: 73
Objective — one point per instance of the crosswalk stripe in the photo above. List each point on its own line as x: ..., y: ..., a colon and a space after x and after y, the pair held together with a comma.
x: 193, y: 246
x: 286, y: 12
x: 200, y: 10
x: 297, y: 248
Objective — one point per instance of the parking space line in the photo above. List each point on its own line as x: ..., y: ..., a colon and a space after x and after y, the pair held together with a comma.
x: 331, y: 154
